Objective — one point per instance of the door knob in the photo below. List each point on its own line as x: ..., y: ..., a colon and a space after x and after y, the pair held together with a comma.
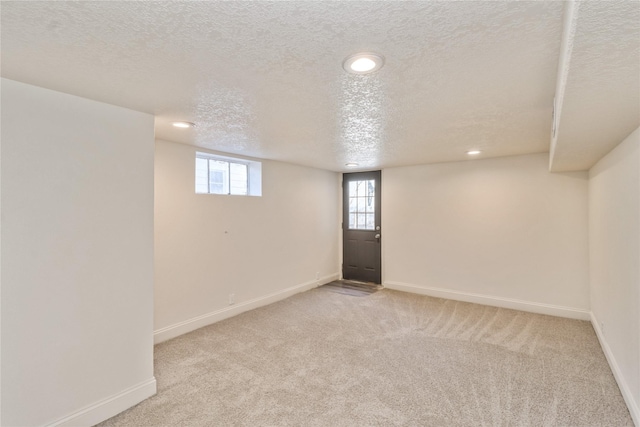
x: 377, y: 236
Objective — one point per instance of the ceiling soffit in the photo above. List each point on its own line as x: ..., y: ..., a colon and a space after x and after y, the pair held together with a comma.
x: 598, y: 91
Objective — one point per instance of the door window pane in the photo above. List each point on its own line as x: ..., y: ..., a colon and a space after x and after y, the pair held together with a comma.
x: 353, y: 185
x: 362, y: 205
x: 352, y: 221
x: 371, y: 188
x: 371, y: 221
x: 353, y: 205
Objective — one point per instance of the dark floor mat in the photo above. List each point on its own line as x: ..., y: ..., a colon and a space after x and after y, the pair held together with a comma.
x: 349, y: 287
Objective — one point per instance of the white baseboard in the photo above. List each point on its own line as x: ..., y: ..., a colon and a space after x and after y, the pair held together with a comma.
x: 109, y: 407
x: 514, y: 304
x: 617, y: 373
x: 172, y: 331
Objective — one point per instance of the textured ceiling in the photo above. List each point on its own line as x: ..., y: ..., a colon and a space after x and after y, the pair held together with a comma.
x: 264, y: 79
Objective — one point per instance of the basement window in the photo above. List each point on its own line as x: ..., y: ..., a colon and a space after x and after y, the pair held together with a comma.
x: 227, y: 175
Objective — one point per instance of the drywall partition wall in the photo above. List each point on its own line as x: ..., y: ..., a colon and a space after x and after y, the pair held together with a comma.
x: 614, y: 240
x: 77, y: 258
x: 213, y: 250
x: 500, y: 231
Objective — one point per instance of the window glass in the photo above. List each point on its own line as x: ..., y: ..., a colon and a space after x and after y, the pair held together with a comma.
x: 202, y: 175
x: 218, y: 177
x: 362, y: 205
x: 238, y: 179
x: 226, y: 175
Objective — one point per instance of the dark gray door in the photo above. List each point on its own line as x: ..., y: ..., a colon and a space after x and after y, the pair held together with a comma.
x: 361, y: 231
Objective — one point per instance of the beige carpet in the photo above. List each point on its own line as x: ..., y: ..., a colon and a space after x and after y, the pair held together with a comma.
x: 322, y: 358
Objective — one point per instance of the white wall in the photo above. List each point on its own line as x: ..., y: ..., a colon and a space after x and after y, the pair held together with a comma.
x: 259, y: 248
x: 500, y: 231
x: 614, y: 232
x: 77, y: 257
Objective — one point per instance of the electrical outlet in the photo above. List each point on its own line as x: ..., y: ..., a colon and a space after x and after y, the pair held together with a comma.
x: 232, y: 299
x: 602, y: 327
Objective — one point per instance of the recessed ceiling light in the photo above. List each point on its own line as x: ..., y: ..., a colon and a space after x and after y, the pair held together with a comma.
x: 474, y: 152
x: 184, y: 124
x: 351, y: 165
x: 363, y: 63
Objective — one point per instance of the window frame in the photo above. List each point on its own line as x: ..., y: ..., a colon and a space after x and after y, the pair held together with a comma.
x: 253, y: 174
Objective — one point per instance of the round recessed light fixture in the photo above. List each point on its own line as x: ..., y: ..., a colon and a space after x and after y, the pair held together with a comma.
x: 363, y: 63
x: 183, y: 125
x: 351, y: 165
x: 474, y: 152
